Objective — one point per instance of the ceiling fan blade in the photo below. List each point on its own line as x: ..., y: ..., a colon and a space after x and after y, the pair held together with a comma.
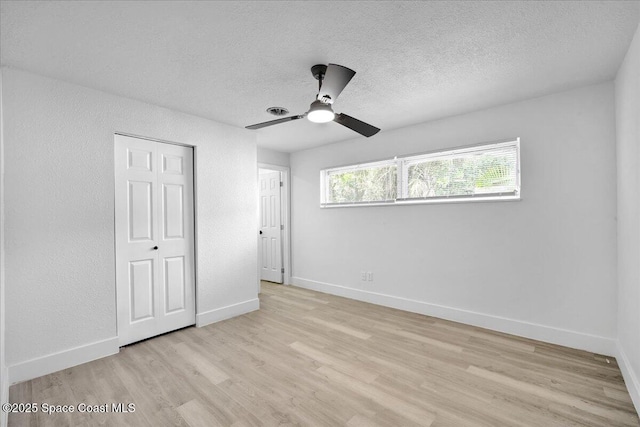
x: 356, y: 125
x: 274, y: 122
x: 335, y: 79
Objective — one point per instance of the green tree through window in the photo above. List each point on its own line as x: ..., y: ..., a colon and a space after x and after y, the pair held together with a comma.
x: 469, y: 175
x: 364, y: 185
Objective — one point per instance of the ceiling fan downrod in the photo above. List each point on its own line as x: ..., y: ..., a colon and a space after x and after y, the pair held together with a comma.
x: 318, y: 72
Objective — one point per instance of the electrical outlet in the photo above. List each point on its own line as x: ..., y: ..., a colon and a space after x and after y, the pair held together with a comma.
x: 370, y: 276
x: 363, y: 276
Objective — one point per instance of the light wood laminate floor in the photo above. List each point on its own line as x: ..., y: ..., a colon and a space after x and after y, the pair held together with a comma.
x: 307, y: 358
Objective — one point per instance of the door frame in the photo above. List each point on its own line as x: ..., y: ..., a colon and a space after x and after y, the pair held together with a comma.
x: 286, y: 219
x: 195, y: 219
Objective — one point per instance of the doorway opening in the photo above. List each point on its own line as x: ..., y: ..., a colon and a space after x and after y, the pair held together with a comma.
x: 273, y: 224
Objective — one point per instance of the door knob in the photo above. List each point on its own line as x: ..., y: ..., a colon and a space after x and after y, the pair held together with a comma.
x: 260, y: 231
x: 155, y: 248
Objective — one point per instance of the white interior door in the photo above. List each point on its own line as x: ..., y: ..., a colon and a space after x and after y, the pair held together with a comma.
x: 270, y: 228
x: 154, y: 224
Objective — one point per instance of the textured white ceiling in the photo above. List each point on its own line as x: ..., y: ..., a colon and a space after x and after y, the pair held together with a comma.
x: 229, y: 61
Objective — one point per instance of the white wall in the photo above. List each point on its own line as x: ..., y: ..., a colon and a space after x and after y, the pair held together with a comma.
x: 4, y: 378
x: 543, y: 267
x: 272, y: 157
x: 627, y: 93
x: 59, y: 192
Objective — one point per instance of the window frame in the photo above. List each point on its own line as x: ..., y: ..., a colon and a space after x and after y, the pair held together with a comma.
x: 402, y: 164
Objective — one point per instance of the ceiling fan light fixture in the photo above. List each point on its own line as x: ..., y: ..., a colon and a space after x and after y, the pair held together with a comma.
x: 319, y: 112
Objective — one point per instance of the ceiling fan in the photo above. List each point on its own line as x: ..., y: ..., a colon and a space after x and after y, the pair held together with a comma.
x: 332, y: 79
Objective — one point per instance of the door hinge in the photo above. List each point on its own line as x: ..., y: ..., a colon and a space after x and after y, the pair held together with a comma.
x: 282, y: 270
x: 281, y: 184
x: 282, y: 227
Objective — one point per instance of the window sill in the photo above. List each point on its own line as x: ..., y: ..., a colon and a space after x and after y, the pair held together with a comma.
x: 424, y: 202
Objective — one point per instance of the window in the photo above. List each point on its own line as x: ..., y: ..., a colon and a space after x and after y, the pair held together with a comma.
x: 482, y: 172
x: 366, y: 183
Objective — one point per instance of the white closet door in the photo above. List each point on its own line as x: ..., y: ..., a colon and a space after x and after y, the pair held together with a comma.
x: 270, y: 230
x: 154, y: 238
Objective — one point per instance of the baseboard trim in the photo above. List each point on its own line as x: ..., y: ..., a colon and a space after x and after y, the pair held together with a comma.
x: 631, y: 379
x: 50, y: 363
x: 564, y: 337
x: 223, y: 313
